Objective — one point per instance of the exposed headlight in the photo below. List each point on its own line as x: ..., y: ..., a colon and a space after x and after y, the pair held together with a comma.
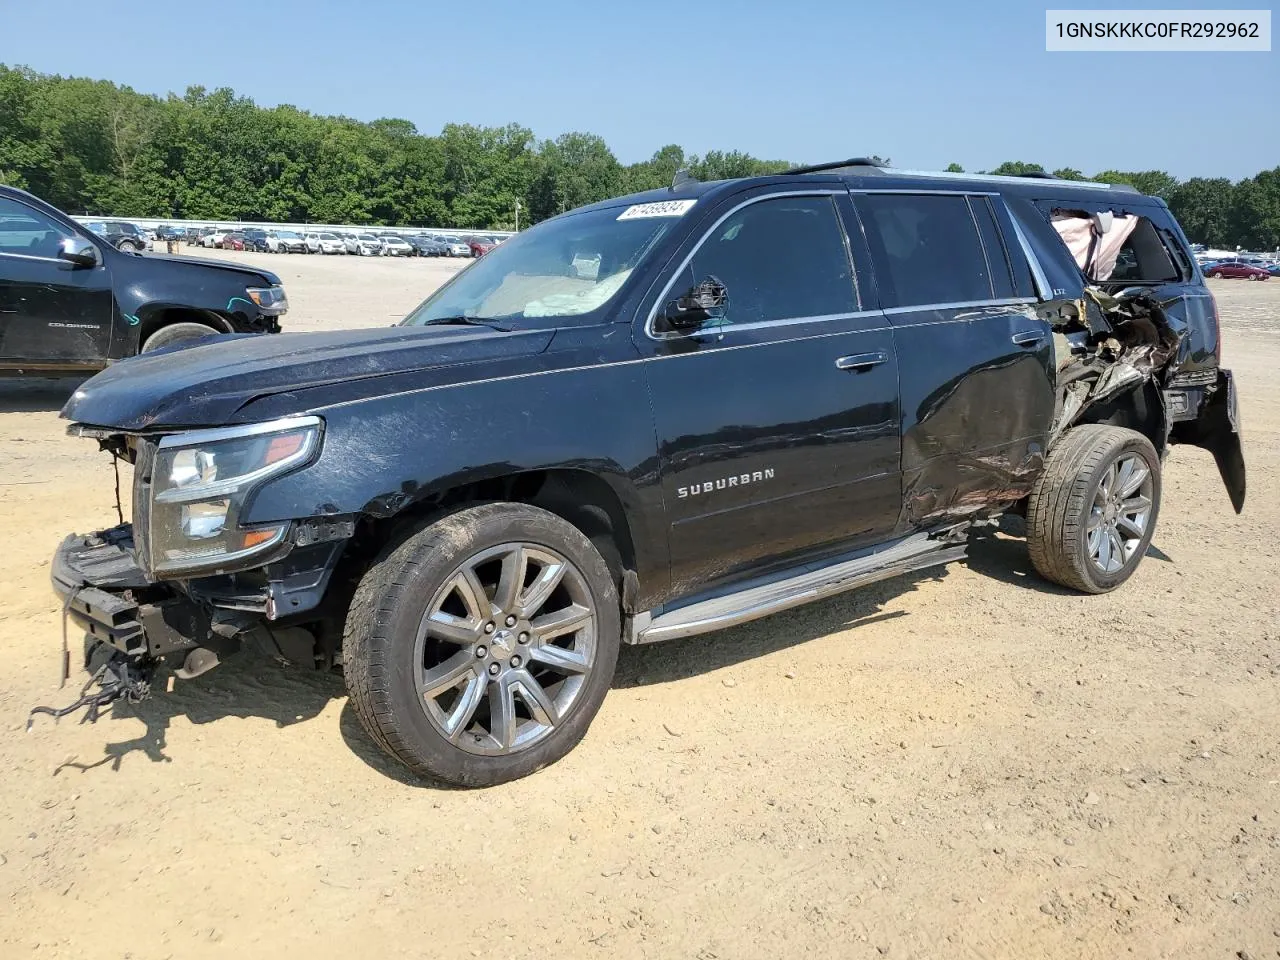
x: 269, y: 299
x: 201, y: 480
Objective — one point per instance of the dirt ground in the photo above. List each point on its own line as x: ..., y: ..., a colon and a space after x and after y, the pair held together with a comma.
x: 970, y: 763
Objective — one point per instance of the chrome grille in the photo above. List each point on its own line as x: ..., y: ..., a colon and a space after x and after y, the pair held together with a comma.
x: 142, y: 468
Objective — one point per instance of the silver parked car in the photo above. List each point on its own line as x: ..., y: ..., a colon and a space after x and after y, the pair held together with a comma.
x: 394, y: 246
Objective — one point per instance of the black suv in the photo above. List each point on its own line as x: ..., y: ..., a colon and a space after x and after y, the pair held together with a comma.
x: 71, y: 301
x: 649, y: 418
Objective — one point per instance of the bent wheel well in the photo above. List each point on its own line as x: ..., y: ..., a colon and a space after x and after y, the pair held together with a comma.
x: 576, y: 496
x: 1141, y: 410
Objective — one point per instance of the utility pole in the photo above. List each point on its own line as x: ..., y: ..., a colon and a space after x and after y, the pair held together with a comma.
x: 517, y: 216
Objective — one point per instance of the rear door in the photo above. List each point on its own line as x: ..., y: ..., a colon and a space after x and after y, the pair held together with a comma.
x: 975, y: 358
x: 52, y: 312
x: 777, y: 426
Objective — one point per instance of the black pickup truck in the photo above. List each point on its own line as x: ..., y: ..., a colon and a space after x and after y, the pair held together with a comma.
x: 649, y: 418
x: 72, y: 301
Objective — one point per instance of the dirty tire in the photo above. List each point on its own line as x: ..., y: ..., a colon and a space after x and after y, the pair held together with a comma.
x: 1215, y: 275
x: 1062, y: 498
x: 177, y: 333
x: 382, y: 626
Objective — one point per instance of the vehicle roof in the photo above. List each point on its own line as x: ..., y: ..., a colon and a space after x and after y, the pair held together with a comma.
x: 857, y: 175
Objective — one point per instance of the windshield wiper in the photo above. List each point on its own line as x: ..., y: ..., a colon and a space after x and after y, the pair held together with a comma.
x: 467, y: 322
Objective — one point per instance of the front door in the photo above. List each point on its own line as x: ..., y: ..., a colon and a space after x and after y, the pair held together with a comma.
x: 777, y: 425
x: 52, y: 312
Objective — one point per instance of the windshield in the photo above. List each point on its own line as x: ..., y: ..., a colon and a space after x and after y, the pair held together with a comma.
x: 288, y: 235
x: 562, y: 268
x: 369, y: 238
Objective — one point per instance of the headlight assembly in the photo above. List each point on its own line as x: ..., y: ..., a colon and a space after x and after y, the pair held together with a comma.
x: 201, y: 481
x: 270, y: 300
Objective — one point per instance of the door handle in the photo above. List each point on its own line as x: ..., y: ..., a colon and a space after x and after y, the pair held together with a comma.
x: 1028, y: 338
x: 862, y: 361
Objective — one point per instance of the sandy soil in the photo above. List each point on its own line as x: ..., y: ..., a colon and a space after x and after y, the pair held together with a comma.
x: 966, y: 764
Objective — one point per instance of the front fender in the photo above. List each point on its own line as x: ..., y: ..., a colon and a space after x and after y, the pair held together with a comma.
x: 383, y: 455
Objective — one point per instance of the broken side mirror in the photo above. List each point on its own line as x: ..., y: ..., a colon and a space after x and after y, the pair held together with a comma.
x: 704, y: 301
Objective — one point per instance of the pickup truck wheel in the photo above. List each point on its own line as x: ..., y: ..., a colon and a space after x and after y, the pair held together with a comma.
x: 177, y: 333
x: 479, y: 648
x: 1092, y: 512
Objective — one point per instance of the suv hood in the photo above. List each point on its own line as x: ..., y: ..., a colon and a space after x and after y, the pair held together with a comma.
x: 267, y: 275
x: 205, y: 384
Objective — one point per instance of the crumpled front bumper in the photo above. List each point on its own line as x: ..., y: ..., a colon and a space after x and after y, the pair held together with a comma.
x: 108, y: 596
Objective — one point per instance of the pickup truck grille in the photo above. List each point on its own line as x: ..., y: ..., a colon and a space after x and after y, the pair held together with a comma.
x: 145, y: 461
x: 1195, y: 378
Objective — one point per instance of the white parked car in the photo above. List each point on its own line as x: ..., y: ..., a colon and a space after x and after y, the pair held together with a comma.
x: 396, y: 246
x: 325, y: 243
x: 369, y: 245
x: 351, y: 242
x: 286, y: 241
x: 457, y: 248
x: 215, y: 238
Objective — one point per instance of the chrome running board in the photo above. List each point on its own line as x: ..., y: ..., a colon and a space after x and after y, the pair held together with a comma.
x: 905, y: 556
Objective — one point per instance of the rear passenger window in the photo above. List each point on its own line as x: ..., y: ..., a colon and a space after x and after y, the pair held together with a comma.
x: 926, y: 249
x: 1002, y: 285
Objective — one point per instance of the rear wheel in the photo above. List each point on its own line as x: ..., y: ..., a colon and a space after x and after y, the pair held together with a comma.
x: 1092, y: 512
x: 479, y: 648
x: 177, y: 333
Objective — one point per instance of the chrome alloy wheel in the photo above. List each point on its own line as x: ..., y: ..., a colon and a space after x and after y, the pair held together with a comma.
x: 504, y: 649
x: 1120, y: 513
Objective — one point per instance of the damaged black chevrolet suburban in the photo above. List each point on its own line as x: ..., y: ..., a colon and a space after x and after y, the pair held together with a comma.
x: 649, y: 418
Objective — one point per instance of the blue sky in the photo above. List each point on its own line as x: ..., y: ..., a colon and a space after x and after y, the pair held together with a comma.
x: 923, y: 83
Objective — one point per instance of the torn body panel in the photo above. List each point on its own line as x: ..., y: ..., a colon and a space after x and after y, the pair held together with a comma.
x: 1104, y: 373
x: 1136, y: 341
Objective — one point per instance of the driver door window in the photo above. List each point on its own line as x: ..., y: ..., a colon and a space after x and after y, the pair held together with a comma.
x: 779, y: 259
x: 27, y: 232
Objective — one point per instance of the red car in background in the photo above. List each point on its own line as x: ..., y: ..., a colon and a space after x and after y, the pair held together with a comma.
x: 1236, y: 269
x: 233, y: 241
x: 479, y: 246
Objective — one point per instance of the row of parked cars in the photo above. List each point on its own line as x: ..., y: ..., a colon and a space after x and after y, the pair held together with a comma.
x: 365, y: 244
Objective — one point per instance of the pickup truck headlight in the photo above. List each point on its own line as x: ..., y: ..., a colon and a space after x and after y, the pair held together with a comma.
x: 270, y: 300
x: 200, y: 482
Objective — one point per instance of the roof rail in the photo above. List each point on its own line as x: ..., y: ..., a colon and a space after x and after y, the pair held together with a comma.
x: 1003, y: 178
x: 865, y: 165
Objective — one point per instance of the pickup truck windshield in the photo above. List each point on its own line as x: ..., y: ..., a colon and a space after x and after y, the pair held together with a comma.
x: 564, y: 267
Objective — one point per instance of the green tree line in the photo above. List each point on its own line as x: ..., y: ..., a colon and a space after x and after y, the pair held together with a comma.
x: 93, y: 146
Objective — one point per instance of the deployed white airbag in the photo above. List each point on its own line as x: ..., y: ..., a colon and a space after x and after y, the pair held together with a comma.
x: 1094, y: 241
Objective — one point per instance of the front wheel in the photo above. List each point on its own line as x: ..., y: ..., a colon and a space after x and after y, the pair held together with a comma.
x: 177, y: 333
x: 1216, y: 275
x: 479, y: 648
x: 1092, y: 512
